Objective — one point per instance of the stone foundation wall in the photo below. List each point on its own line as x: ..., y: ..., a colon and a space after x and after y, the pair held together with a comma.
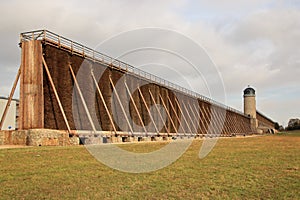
x: 37, y: 137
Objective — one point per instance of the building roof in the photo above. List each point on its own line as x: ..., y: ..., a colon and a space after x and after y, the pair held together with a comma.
x: 249, y: 91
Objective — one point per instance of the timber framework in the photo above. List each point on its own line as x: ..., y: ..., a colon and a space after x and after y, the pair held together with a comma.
x: 114, y: 99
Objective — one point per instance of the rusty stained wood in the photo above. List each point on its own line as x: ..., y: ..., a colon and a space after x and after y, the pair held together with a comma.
x: 31, y: 86
x: 56, y: 95
x: 12, y: 92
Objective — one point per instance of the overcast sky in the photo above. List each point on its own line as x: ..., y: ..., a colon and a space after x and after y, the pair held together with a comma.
x: 252, y: 42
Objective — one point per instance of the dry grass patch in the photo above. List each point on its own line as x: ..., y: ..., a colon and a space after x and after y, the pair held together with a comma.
x: 256, y: 167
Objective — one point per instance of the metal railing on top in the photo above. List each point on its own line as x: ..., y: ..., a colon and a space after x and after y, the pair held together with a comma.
x: 87, y: 52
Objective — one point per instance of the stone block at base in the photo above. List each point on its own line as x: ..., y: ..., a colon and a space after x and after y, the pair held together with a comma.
x: 38, y: 137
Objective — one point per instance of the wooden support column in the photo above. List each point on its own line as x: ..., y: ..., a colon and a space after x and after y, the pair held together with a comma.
x: 191, y: 120
x: 219, y: 120
x: 227, y: 124
x: 104, y: 103
x: 145, y: 103
x: 160, y: 115
x: 31, y: 86
x: 201, y: 121
x: 82, y: 99
x: 195, y: 117
x: 168, y: 113
x: 177, y: 117
x: 56, y: 95
x: 135, y: 107
x: 207, y: 117
x: 233, y: 124
x: 120, y: 103
x: 10, y: 99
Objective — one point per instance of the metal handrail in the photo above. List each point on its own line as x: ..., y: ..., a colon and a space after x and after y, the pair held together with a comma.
x: 95, y: 55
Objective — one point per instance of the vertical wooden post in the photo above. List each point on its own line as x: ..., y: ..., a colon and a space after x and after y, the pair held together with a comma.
x: 9, y: 99
x: 31, y: 86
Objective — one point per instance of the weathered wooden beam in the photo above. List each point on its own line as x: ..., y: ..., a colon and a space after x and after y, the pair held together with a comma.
x: 195, y: 117
x: 104, y: 103
x: 148, y: 110
x: 168, y: 113
x: 219, y: 119
x: 120, y: 103
x: 135, y: 107
x: 198, y: 114
x: 160, y: 115
x: 207, y: 117
x: 31, y: 107
x: 12, y: 92
x: 56, y: 95
x: 176, y: 115
x: 191, y: 120
x: 82, y: 99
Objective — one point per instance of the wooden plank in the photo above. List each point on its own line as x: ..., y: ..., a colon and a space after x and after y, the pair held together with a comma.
x: 168, y: 113
x: 206, y: 117
x: 199, y: 114
x: 186, y: 110
x: 120, y: 103
x: 135, y: 107
x: 31, y: 86
x: 56, y: 95
x: 104, y: 103
x: 82, y: 99
x: 12, y: 92
x: 177, y: 117
x: 184, y: 118
x: 145, y: 103
x: 160, y: 115
x: 195, y: 117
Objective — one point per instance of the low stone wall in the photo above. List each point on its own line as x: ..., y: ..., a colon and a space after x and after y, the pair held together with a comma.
x: 37, y: 137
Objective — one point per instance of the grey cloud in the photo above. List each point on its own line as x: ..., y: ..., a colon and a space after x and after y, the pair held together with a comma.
x: 252, y: 42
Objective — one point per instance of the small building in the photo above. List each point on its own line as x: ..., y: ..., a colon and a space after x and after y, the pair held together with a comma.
x: 11, y: 119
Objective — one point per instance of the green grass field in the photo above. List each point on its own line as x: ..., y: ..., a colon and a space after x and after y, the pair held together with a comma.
x: 265, y: 167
